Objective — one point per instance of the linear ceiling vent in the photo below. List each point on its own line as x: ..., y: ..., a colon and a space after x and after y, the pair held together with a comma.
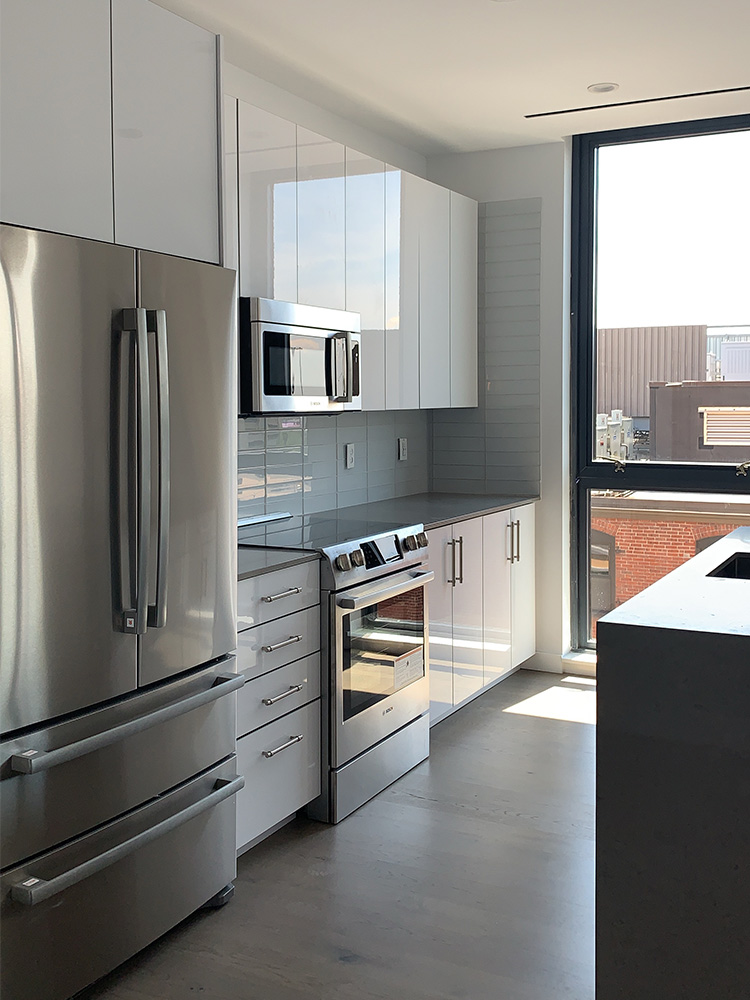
x: 643, y: 100
x: 726, y: 424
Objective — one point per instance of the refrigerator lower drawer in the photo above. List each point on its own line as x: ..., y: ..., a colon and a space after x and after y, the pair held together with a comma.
x: 94, y: 767
x: 52, y: 947
x: 281, y: 767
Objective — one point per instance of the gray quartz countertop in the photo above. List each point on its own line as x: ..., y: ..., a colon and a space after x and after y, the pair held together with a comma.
x: 256, y: 561
x: 692, y: 600
x: 435, y: 509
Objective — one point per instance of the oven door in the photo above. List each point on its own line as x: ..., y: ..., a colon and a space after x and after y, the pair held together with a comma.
x: 302, y: 370
x: 380, y: 668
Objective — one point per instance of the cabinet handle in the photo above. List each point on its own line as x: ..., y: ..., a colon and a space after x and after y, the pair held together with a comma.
x: 284, y: 746
x: 452, y: 578
x: 277, y: 597
x: 280, y: 645
x: 284, y: 694
x: 509, y: 526
x: 518, y: 541
x: 460, y: 559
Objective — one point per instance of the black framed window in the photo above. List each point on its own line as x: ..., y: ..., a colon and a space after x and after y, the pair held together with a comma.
x: 661, y: 326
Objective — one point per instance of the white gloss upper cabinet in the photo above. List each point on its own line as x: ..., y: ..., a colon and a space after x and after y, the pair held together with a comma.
x: 321, y: 239
x: 435, y: 351
x: 402, y: 227
x: 365, y: 268
x: 231, y: 206
x: 463, y: 300
x: 267, y: 204
x: 165, y: 110
x: 55, y: 116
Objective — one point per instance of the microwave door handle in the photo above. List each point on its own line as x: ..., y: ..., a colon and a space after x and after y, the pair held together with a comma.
x: 157, y: 325
x: 348, y: 392
x: 339, y: 362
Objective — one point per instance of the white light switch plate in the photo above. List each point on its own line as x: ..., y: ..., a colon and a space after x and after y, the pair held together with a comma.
x: 348, y: 456
x: 402, y: 451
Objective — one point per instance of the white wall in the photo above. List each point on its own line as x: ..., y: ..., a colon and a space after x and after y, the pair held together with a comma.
x: 247, y: 87
x: 539, y: 172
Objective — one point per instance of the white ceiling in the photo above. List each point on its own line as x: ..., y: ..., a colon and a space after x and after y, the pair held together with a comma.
x: 457, y: 75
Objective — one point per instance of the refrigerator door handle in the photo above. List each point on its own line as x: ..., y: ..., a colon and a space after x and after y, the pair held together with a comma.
x: 32, y: 890
x: 133, y: 321
x: 157, y: 324
x: 33, y: 761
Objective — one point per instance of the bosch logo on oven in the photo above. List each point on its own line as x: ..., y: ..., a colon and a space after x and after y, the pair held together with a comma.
x: 387, y: 710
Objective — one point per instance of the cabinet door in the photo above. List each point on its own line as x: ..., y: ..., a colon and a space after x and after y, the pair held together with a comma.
x: 267, y: 204
x: 320, y: 221
x: 165, y: 126
x: 55, y: 117
x: 463, y: 295
x: 440, y: 606
x: 523, y: 629
x: 365, y: 268
x: 434, y: 296
x: 497, y: 596
x: 402, y: 207
x: 468, y: 658
x: 231, y: 247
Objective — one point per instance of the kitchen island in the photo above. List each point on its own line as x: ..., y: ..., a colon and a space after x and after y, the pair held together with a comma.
x: 673, y: 784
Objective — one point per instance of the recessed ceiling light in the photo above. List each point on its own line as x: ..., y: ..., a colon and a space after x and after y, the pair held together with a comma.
x: 602, y: 88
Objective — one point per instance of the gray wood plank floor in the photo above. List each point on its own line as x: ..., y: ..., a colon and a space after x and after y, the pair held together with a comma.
x: 472, y: 877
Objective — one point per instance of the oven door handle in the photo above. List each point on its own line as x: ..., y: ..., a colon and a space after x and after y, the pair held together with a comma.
x: 366, y: 600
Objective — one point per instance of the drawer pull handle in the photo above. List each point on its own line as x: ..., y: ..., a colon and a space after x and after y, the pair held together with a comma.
x: 287, y: 593
x: 284, y: 694
x: 33, y: 761
x: 280, y: 645
x: 35, y: 890
x: 284, y: 746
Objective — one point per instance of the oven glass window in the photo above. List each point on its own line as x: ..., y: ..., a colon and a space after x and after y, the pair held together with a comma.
x: 294, y: 365
x: 383, y: 650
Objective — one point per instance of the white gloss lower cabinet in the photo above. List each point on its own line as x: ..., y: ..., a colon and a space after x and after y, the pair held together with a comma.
x: 440, y: 605
x: 523, y: 601
x: 497, y: 596
x: 281, y: 766
x: 468, y: 639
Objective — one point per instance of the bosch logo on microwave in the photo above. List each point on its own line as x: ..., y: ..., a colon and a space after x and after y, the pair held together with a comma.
x: 387, y: 710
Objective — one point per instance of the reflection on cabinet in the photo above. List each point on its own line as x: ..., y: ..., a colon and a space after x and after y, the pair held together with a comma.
x: 320, y: 221
x: 278, y: 709
x: 55, y: 117
x: 365, y: 268
x: 125, y: 150
x: 165, y: 128
x: 464, y: 387
x: 481, y: 603
x: 267, y: 204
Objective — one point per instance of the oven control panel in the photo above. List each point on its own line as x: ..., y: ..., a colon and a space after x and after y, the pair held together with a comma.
x: 369, y: 558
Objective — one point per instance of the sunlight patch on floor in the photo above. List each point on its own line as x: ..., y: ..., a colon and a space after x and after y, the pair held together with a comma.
x: 559, y: 703
x: 572, y: 679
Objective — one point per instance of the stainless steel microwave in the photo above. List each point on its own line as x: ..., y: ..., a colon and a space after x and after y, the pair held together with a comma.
x: 297, y: 358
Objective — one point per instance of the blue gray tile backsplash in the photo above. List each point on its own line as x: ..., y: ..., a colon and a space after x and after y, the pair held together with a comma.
x: 297, y: 463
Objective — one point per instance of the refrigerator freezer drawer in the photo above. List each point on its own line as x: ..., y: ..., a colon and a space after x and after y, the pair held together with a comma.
x: 62, y: 798
x: 54, y: 947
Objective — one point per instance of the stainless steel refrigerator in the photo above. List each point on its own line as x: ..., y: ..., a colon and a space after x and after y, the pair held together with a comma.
x: 117, y: 615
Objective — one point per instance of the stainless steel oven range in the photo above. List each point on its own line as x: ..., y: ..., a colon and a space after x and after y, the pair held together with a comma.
x: 375, y: 636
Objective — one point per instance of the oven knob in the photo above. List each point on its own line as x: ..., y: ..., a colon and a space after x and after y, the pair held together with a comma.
x: 342, y: 562
x: 357, y: 557
x: 410, y: 543
x: 422, y: 540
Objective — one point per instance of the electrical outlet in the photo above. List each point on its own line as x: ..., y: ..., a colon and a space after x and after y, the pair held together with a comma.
x: 402, y: 452
x: 348, y: 456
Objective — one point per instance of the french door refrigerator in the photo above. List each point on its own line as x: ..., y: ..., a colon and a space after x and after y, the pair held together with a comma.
x: 117, y: 611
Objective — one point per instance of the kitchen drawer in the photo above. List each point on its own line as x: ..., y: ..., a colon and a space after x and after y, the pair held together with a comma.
x: 276, y: 787
x: 263, y: 598
x: 111, y: 767
x: 289, y: 638
x: 288, y: 687
x: 121, y: 906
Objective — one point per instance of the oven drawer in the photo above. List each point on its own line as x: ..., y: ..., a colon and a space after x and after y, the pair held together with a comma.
x: 277, y: 786
x: 263, y: 598
x: 277, y: 693
x: 100, y: 764
x: 278, y: 642
x: 54, y: 947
